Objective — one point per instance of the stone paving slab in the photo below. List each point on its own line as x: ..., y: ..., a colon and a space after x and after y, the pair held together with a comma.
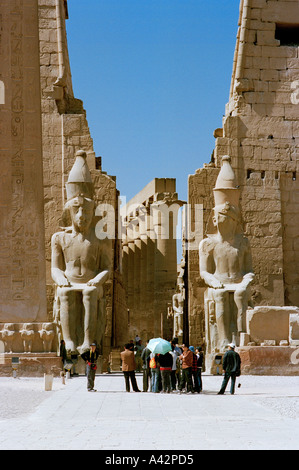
x: 71, y: 418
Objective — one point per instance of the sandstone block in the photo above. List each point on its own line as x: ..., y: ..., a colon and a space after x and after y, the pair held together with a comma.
x: 47, y: 13
x: 46, y: 3
x: 291, y: 111
x: 258, y: 4
x: 276, y: 51
x: 266, y: 38
x: 252, y: 50
x: 278, y: 63
x: 286, y: 12
x: 269, y: 75
x: 269, y: 323
x: 255, y: 14
x: 260, y: 62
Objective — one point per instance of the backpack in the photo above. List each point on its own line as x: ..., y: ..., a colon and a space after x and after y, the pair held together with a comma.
x: 152, y: 363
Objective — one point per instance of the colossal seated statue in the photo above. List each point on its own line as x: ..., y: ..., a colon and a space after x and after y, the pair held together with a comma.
x: 80, y: 265
x: 226, y: 265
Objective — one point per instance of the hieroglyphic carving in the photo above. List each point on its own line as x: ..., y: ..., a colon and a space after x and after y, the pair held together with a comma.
x: 22, y: 273
x: 17, y: 144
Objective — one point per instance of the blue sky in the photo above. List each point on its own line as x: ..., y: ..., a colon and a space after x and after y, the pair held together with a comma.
x: 154, y: 77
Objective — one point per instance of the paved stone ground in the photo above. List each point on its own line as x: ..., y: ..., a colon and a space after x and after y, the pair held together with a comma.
x: 263, y: 414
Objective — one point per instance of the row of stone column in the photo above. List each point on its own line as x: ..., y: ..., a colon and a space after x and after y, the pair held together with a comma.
x: 150, y: 270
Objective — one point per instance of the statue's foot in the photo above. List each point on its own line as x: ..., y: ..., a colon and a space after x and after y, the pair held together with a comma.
x: 70, y: 347
x: 224, y: 344
x: 84, y: 347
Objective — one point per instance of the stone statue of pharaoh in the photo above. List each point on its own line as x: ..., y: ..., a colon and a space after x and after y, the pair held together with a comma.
x: 8, y: 335
x: 27, y: 334
x: 225, y: 261
x: 178, y: 311
x: 47, y: 335
x: 80, y: 264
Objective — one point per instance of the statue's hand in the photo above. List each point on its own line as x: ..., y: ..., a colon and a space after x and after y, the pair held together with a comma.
x: 62, y: 281
x: 247, y: 280
x: 211, y: 280
x: 216, y: 284
x: 99, y: 279
x: 93, y: 282
x: 60, y: 278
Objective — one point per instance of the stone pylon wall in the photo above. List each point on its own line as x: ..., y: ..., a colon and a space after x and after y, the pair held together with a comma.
x: 22, y: 250
x: 65, y: 128
x: 64, y: 131
x: 261, y: 134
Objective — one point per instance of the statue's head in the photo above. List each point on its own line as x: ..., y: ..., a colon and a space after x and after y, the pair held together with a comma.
x: 81, y: 211
x: 226, y: 217
x: 79, y: 188
x: 79, y: 181
x: 28, y: 326
x: 48, y: 326
x: 226, y: 213
x: 226, y: 188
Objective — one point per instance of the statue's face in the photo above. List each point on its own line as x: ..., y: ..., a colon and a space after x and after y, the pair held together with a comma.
x: 223, y: 220
x: 82, y: 212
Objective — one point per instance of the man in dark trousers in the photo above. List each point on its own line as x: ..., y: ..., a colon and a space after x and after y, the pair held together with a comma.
x: 166, y: 362
x: 128, y: 368
x: 91, y: 357
x: 145, y: 356
x: 194, y: 371
x: 231, y: 368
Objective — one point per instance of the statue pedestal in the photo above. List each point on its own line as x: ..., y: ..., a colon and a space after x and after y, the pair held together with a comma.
x: 30, y: 364
x: 260, y: 360
x: 269, y: 360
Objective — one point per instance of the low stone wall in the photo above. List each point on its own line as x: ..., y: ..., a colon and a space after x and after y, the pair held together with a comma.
x: 31, y: 365
x: 269, y: 360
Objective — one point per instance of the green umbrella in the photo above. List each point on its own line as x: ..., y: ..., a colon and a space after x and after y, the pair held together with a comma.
x: 159, y: 346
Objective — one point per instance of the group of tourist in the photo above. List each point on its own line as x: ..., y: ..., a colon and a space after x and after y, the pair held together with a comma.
x: 178, y: 370
x: 175, y: 371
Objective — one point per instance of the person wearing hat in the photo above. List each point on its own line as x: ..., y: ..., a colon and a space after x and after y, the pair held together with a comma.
x: 91, y: 357
x: 231, y: 367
